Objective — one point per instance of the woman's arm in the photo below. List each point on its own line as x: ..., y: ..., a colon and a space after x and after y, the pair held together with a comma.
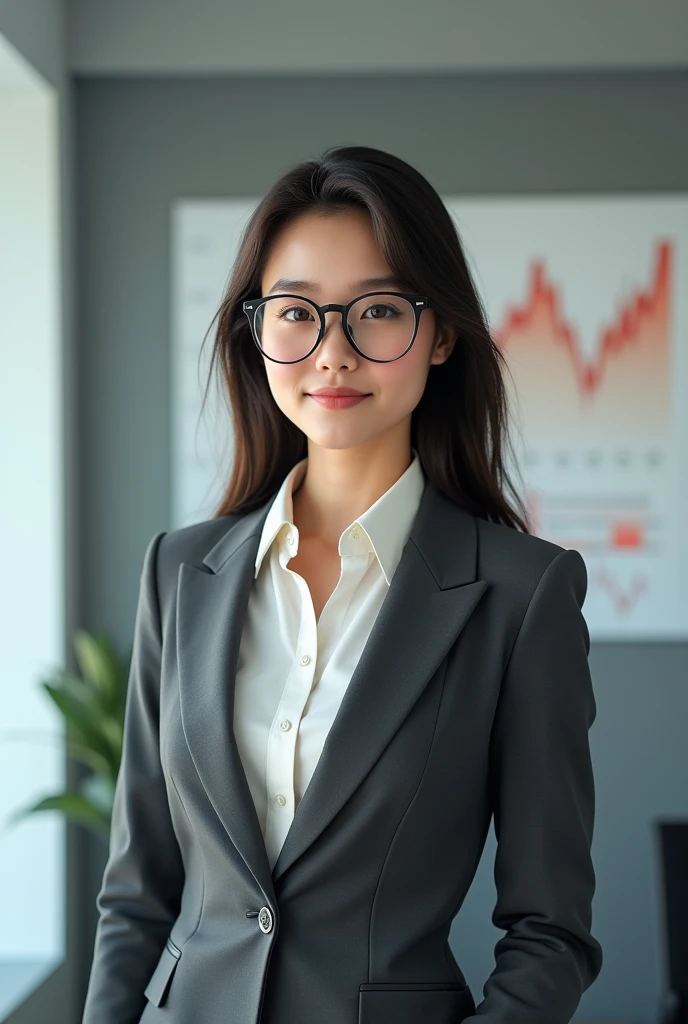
x: 544, y: 805
x: 141, y: 890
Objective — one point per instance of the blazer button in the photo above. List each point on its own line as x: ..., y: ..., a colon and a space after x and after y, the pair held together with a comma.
x: 265, y: 920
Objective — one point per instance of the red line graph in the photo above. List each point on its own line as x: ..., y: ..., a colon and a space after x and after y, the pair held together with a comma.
x: 619, y: 393
x: 545, y: 301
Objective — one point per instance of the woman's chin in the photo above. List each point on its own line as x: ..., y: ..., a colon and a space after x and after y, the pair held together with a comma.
x: 340, y: 438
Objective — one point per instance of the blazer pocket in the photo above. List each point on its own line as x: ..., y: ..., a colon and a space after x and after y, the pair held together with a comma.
x: 433, y: 1002
x: 157, y: 988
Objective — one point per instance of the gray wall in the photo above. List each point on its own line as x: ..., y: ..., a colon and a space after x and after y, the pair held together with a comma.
x: 448, y: 36
x: 142, y: 142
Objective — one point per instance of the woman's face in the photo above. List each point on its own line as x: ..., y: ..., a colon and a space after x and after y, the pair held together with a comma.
x: 335, y: 253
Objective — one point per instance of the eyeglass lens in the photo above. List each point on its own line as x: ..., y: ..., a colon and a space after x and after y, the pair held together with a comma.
x: 381, y: 325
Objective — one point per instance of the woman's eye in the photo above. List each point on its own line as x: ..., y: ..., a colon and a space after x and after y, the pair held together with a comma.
x: 379, y: 307
x: 297, y: 309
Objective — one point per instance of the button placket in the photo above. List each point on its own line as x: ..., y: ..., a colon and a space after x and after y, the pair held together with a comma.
x: 281, y: 752
x: 281, y: 756
x: 308, y: 633
x: 280, y: 762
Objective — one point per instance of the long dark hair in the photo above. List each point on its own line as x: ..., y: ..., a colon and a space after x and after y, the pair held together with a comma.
x: 460, y: 426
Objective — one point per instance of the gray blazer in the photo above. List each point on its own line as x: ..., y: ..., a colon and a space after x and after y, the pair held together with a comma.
x: 472, y: 699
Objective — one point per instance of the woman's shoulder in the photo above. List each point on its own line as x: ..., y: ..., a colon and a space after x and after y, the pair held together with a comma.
x: 517, y: 563
x: 190, y: 544
x: 503, y: 553
x: 505, y: 545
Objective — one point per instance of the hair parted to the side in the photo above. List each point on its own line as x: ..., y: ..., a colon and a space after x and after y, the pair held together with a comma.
x: 460, y: 427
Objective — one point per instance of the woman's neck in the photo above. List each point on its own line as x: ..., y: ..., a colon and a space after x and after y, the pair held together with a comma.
x: 340, y: 484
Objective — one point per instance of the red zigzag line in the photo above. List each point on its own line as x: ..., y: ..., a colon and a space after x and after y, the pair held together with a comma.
x: 623, y: 332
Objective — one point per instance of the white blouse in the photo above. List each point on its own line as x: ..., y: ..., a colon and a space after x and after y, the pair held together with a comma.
x: 293, y: 670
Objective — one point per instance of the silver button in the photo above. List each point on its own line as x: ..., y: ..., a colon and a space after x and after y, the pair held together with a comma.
x: 265, y: 920
x: 281, y: 800
x: 285, y: 725
x: 306, y: 660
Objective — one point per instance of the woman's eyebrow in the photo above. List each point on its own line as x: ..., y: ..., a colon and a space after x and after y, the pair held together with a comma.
x: 288, y: 284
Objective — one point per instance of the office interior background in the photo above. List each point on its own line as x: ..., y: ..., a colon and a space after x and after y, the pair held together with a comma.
x: 112, y: 112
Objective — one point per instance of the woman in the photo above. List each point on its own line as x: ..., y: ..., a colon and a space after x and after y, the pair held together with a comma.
x: 360, y: 659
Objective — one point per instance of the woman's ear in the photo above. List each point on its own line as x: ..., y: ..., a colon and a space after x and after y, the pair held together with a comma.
x: 443, y: 345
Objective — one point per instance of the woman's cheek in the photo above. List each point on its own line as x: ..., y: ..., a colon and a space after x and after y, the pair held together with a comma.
x: 401, y: 382
x: 283, y: 381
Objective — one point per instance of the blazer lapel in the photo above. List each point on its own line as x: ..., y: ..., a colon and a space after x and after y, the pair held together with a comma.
x: 432, y: 594
x: 211, y: 609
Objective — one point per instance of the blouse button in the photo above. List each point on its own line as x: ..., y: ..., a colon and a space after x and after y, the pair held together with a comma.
x: 290, y: 540
x: 354, y: 535
x: 306, y: 659
x: 280, y: 800
x: 285, y: 725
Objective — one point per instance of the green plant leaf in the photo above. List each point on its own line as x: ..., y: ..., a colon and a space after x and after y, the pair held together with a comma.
x: 73, y: 805
x: 108, y: 723
x: 100, y: 666
x: 82, y: 724
x: 113, y: 730
x: 91, y: 758
x: 83, y: 692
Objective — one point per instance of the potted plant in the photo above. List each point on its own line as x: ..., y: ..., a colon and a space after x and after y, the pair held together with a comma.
x: 92, y: 706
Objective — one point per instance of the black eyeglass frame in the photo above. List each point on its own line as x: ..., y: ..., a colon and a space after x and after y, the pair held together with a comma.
x: 250, y: 308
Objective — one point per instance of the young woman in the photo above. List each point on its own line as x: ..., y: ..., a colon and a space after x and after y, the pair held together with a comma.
x: 362, y: 659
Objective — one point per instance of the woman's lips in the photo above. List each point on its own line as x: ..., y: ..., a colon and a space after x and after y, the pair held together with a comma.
x: 338, y: 401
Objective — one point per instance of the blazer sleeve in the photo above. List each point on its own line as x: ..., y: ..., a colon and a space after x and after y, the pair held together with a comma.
x: 141, y: 889
x: 544, y: 803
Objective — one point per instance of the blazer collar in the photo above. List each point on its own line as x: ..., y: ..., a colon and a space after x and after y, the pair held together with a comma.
x: 437, y: 526
x: 432, y: 595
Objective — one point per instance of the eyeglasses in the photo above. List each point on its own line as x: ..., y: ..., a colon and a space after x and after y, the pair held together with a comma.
x: 287, y: 332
